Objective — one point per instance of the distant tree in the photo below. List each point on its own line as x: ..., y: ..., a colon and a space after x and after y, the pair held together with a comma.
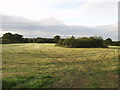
x: 30, y: 40
x: 115, y: 43
x: 83, y: 42
x: 56, y: 38
x: 60, y: 42
x: 8, y: 36
x: 25, y: 40
x: 91, y: 37
x: 100, y: 38
x: 17, y: 38
x: 108, y: 41
x: 40, y: 40
x: 69, y: 42
x: 72, y: 37
x: 12, y: 38
x: 0, y: 40
x: 44, y: 40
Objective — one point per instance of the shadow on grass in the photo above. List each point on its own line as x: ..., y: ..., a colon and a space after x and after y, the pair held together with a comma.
x: 29, y: 82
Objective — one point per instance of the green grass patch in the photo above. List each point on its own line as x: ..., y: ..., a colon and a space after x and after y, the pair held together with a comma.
x: 46, y: 65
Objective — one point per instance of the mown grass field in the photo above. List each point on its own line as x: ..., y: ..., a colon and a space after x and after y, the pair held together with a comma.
x: 48, y: 66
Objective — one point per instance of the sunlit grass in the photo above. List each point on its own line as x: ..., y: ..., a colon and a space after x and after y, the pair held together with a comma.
x: 46, y: 65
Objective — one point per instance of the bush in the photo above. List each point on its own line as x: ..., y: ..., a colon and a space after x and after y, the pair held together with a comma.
x: 84, y: 42
x: 116, y: 43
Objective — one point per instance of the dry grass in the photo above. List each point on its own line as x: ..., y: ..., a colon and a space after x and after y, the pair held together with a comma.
x: 45, y: 65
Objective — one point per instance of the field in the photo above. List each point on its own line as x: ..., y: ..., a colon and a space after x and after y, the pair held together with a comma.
x: 48, y: 66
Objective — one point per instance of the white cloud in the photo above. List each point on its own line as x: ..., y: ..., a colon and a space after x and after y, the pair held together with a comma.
x: 91, y: 14
x: 87, y: 12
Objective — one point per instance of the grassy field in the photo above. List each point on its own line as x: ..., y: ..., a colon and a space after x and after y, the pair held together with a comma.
x: 46, y: 65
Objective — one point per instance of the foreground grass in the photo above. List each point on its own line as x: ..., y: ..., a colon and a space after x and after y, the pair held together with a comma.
x: 46, y: 65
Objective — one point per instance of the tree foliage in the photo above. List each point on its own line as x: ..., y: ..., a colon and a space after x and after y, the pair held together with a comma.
x: 108, y: 41
x: 84, y: 42
x: 44, y: 40
x: 56, y: 38
x: 12, y: 38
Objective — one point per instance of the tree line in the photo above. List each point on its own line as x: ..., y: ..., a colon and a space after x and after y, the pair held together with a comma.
x: 84, y: 42
x: 72, y: 42
x: 8, y: 38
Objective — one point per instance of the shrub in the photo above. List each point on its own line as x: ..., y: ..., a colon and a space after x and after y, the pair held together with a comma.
x: 84, y: 42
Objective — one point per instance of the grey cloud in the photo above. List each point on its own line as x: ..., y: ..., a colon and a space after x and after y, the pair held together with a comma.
x: 50, y: 27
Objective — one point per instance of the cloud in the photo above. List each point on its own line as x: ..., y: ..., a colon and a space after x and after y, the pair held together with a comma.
x: 50, y: 26
x: 71, y: 12
x: 90, y: 14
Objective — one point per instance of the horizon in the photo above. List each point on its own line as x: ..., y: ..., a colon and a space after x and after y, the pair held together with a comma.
x: 61, y: 36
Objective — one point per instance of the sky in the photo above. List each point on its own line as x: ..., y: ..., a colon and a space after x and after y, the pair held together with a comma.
x: 34, y: 18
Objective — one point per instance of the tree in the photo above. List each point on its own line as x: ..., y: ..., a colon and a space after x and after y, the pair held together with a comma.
x: 25, y: 40
x: 56, y: 38
x: 84, y: 42
x: 17, y: 38
x: 108, y: 41
x: 12, y: 38
x: 8, y: 36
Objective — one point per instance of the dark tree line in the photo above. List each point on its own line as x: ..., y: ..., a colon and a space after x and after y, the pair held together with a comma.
x: 116, y: 43
x: 84, y: 42
x: 89, y: 42
x: 17, y: 38
x: 12, y: 38
x: 109, y: 42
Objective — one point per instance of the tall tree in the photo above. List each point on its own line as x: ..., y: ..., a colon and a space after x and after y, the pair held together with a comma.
x: 12, y: 38
x: 56, y: 38
x: 18, y: 38
x: 108, y: 41
x: 8, y: 36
